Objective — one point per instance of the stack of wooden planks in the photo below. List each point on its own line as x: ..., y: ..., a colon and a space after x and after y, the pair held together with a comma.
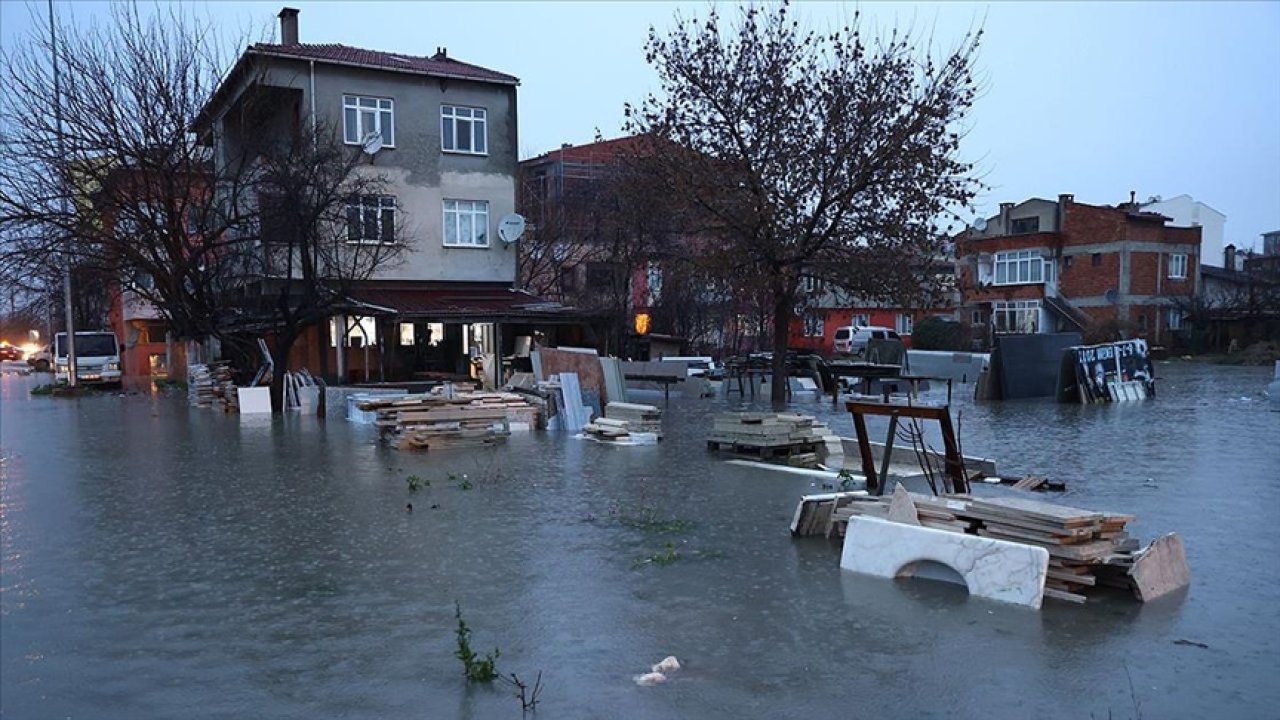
x: 212, y: 386
x: 932, y: 512
x: 1086, y: 548
x: 1078, y: 541
x: 431, y: 422
x: 626, y: 423
x: 768, y: 435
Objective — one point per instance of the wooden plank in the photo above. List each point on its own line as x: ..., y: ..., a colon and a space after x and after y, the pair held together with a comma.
x: 1037, y: 510
x: 1064, y: 595
x: 1079, y: 578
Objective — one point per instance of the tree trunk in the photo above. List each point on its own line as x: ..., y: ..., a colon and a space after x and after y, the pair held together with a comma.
x: 280, y: 363
x: 781, y: 324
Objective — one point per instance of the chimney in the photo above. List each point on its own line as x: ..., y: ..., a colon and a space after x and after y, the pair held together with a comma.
x: 288, y: 26
x: 1064, y: 199
x: 1229, y: 257
x: 1005, y: 207
x: 442, y: 53
x: 1133, y: 199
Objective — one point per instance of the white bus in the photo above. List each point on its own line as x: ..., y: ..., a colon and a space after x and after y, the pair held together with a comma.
x: 97, y: 358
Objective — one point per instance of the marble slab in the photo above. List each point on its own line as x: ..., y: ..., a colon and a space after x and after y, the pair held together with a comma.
x: 993, y: 569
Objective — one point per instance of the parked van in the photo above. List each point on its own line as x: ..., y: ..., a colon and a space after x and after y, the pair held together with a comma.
x: 97, y: 358
x: 695, y: 366
x: 852, y: 339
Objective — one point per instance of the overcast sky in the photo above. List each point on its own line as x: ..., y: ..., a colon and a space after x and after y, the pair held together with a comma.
x: 1091, y: 99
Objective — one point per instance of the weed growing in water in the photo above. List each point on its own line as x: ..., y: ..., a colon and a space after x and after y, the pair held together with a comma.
x: 415, y: 483
x: 476, y: 668
x: 663, y: 558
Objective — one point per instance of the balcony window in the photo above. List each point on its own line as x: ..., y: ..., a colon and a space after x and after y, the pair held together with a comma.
x: 1019, y: 267
x: 1178, y: 266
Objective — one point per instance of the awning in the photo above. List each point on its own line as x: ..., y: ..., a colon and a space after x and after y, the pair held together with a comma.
x: 463, y: 305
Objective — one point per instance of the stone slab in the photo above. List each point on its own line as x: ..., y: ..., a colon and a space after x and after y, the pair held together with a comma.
x: 901, y: 507
x: 993, y: 569
x: 1161, y: 568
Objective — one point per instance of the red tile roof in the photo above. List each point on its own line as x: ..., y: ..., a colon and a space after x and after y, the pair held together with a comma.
x: 436, y: 66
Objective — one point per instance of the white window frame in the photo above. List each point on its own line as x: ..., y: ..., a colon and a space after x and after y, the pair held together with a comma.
x: 1015, y: 316
x: 1177, y: 266
x: 1175, y: 319
x: 860, y: 320
x: 1019, y: 267
x: 476, y: 214
x: 384, y: 209
x: 904, y: 323
x: 382, y: 111
x: 477, y: 121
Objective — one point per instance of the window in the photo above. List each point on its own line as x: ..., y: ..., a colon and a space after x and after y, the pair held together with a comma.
x: 810, y: 284
x: 1020, y: 226
x: 1142, y: 324
x: 406, y: 334
x: 1097, y: 259
x: 904, y: 323
x: 975, y: 318
x: 361, y: 331
x: 1177, y: 268
x: 463, y: 130
x: 1050, y: 271
x: 1175, y: 318
x: 1019, y: 266
x: 568, y: 279
x: 861, y: 320
x: 814, y: 324
x: 1066, y: 261
x: 364, y: 115
x: 466, y: 223
x: 1015, y: 316
x: 371, y: 219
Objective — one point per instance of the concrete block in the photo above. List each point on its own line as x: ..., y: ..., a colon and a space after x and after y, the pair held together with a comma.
x: 993, y: 569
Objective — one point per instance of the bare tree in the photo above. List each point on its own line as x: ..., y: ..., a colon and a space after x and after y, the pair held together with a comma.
x: 232, y: 241
x: 826, y: 154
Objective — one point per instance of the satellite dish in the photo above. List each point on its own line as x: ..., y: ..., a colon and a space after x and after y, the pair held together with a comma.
x: 1112, y: 296
x: 510, y: 228
x: 371, y: 143
x: 980, y: 224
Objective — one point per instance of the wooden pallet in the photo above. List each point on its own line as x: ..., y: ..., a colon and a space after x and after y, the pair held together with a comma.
x: 763, y: 452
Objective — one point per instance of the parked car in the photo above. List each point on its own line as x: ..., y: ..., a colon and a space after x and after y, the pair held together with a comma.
x: 10, y: 352
x: 852, y: 339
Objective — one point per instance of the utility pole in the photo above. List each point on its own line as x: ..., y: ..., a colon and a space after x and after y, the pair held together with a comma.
x: 72, y: 375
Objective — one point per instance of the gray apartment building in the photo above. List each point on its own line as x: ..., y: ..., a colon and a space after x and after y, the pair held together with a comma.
x: 448, y: 137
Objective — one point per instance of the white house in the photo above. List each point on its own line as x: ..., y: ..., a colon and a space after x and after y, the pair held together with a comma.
x: 1186, y: 211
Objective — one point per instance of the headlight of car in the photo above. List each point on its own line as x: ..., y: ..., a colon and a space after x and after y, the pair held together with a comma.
x: 111, y: 366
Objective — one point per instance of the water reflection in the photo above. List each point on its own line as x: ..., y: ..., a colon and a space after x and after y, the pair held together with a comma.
x: 158, y: 558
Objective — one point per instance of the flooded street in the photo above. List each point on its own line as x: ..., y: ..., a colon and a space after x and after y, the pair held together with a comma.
x: 161, y: 561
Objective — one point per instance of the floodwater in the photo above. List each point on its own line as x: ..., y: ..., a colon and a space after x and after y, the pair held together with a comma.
x: 161, y: 561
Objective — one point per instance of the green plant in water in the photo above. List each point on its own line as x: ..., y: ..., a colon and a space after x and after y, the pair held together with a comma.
x: 846, y: 480
x: 663, y: 558
x: 46, y: 389
x: 476, y: 668
x: 648, y: 520
x: 416, y: 483
x: 465, y: 484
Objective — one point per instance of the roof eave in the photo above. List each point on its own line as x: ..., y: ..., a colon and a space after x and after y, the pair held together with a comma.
x: 511, y: 81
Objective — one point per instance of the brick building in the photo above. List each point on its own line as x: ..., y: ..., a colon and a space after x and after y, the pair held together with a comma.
x: 1043, y: 266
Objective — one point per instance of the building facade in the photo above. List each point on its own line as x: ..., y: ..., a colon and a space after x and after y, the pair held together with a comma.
x: 1185, y: 211
x: 1043, y: 266
x: 442, y: 134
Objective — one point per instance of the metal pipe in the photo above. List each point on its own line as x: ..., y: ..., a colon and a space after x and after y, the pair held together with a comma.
x: 66, y: 240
